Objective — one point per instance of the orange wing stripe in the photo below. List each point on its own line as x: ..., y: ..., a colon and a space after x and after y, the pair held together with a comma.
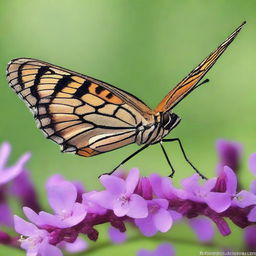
x: 189, y: 82
x: 87, y: 152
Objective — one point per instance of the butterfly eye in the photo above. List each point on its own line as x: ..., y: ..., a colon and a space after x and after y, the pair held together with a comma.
x: 175, y: 120
x: 169, y: 120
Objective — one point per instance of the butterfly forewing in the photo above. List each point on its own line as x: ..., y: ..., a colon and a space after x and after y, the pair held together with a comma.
x: 84, y: 115
x: 190, y: 81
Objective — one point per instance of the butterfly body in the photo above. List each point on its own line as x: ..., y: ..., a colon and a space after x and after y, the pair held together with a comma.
x: 87, y: 116
x: 152, y: 133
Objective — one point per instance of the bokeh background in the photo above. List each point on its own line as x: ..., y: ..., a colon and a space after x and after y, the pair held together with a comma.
x: 144, y: 47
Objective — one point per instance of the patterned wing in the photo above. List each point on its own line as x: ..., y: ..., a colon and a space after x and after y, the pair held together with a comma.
x: 190, y: 82
x: 82, y: 114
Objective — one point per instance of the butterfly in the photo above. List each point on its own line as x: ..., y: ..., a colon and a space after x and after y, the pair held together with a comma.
x: 89, y: 117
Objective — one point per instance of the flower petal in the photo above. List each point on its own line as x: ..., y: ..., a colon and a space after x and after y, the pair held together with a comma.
x: 54, y: 180
x: 229, y: 154
x: 12, y: 172
x: 163, y: 203
x: 113, y: 184
x: 252, y: 215
x: 146, y: 226
x: 6, y: 216
x: 253, y: 187
x: 25, y: 228
x: 245, y: 198
x: 252, y: 163
x: 219, y: 202
x: 91, y: 205
x: 47, y: 249
x: 144, y: 252
x: 132, y: 180
x: 208, y: 185
x: 78, y: 214
x: 62, y: 196
x: 121, y: 207
x: 163, y: 220
x: 231, y: 180
x: 250, y: 238
x: 33, y: 216
x: 156, y: 183
x: 137, y: 207
x: 23, y: 188
x: 52, y: 220
x: 116, y: 236
x: 5, y: 151
x: 169, y: 191
x: 176, y: 216
x: 165, y: 249
x: 191, y: 183
x: 104, y: 198
x: 79, y: 245
x: 203, y: 228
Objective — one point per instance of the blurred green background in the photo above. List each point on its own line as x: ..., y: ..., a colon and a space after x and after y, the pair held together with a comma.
x: 144, y: 47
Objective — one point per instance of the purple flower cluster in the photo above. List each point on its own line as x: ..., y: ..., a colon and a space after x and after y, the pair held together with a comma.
x: 152, y: 204
x: 14, y: 181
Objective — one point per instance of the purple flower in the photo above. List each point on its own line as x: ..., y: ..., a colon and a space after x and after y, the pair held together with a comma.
x: 144, y: 188
x: 158, y: 219
x: 35, y: 241
x: 203, y: 227
x: 6, y: 217
x: 116, y: 235
x: 23, y: 188
x: 244, y: 198
x: 163, y: 187
x: 204, y: 193
x: 164, y: 249
x: 8, y: 240
x: 90, y: 205
x: 8, y: 174
x: 252, y: 163
x: 79, y: 245
x: 253, y: 187
x: 62, y: 197
x: 56, y: 178
x: 119, y: 196
x: 229, y: 154
x: 226, y: 182
x: 250, y: 238
x: 252, y: 215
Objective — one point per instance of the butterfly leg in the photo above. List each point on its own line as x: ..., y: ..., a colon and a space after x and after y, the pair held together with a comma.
x: 185, y: 156
x: 125, y: 160
x: 168, y: 160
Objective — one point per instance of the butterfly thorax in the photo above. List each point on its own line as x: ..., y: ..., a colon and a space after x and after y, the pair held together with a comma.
x: 155, y: 131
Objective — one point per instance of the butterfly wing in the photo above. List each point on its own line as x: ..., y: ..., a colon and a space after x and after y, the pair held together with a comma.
x: 190, y: 82
x: 82, y: 114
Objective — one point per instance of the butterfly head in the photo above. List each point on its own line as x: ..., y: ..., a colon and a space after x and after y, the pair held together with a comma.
x: 169, y: 121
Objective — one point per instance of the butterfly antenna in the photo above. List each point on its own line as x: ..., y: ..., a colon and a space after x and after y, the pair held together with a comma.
x: 204, y: 82
x: 198, y: 85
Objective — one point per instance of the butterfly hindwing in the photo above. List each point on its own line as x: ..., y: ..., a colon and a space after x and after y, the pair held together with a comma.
x: 83, y: 115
